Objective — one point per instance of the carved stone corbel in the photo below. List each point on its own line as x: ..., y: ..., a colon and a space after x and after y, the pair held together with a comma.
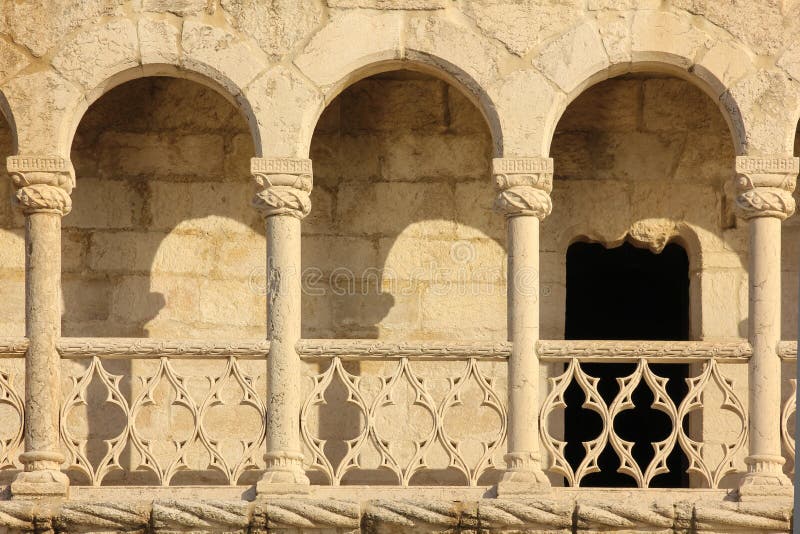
x: 284, y: 186
x: 764, y: 186
x: 523, y: 186
x: 43, y: 184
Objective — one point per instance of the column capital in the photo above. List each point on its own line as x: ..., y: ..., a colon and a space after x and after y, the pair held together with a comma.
x: 764, y: 186
x: 43, y: 183
x: 523, y: 186
x: 284, y: 186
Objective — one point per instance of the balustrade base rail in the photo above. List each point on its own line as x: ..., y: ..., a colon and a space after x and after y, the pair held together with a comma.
x: 663, y: 511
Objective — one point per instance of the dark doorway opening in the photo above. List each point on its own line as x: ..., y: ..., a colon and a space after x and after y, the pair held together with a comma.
x: 626, y: 293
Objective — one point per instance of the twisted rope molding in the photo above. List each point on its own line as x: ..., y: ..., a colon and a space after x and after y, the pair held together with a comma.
x: 626, y: 515
x: 306, y: 514
x: 618, y: 513
x: 226, y: 516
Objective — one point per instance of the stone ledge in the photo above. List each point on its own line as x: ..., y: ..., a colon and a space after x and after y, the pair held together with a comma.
x: 569, y: 512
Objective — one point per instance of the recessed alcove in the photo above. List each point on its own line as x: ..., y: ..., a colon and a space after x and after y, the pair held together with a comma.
x: 626, y: 292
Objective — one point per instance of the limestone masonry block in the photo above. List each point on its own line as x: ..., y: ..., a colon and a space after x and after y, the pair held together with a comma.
x: 158, y: 41
x: 343, y: 47
x: 573, y: 57
x: 99, y: 54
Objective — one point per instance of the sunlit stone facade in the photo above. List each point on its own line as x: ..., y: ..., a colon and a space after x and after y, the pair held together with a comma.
x: 303, y: 265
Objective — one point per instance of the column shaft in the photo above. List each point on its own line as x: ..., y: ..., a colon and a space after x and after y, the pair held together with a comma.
x: 283, y: 201
x: 43, y: 328
x: 764, y: 188
x: 43, y: 186
x: 523, y: 332
x: 765, y: 334
x: 524, y: 186
x: 283, y: 324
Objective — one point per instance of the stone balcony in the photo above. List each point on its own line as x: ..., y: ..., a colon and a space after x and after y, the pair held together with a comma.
x: 430, y: 425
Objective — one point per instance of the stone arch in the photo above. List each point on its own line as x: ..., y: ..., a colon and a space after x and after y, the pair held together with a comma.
x: 7, y: 114
x: 681, y: 233
x: 658, y: 42
x: 73, y: 119
x: 154, y: 48
x: 332, y: 63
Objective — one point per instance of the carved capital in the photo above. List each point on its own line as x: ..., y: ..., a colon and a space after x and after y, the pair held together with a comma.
x: 523, y: 186
x: 764, y: 186
x: 43, y: 184
x: 284, y: 186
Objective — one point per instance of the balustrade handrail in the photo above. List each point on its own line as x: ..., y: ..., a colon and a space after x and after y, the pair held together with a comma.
x: 787, y: 350
x: 13, y: 347
x: 310, y: 349
x: 630, y: 351
x: 146, y: 348
x: 365, y: 349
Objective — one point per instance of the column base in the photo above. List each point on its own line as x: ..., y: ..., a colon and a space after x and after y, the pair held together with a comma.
x: 523, y: 476
x: 284, y: 475
x: 765, y: 478
x: 49, y: 483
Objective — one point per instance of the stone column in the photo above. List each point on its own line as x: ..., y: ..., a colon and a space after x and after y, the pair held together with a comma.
x: 764, y: 188
x: 524, y: 186
x: 283, y: 201
x: 43, y: 186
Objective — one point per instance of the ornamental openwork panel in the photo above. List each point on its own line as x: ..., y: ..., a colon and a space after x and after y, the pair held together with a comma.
x: 647, y: 392
x: 404, y: 421
x: 789, y: 415
x: 12, y: 414
x: 163, y: 421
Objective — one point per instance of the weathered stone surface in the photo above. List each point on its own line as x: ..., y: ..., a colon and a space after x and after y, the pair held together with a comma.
x: 181, y: 8
x: 666, y: 37
x: 766, y: 37
x: 522, y: 26
x: 290, y: 22
x: 40, y: 24
x: 220, y: 55
x: 158, y: 41
x: 573, y: 57
x: 389, y: 4
x: 96, y: 55
x: 350, y: 41
x: 12, y: 60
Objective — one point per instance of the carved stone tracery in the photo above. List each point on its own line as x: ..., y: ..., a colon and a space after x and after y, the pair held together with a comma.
x: 284, y: 186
